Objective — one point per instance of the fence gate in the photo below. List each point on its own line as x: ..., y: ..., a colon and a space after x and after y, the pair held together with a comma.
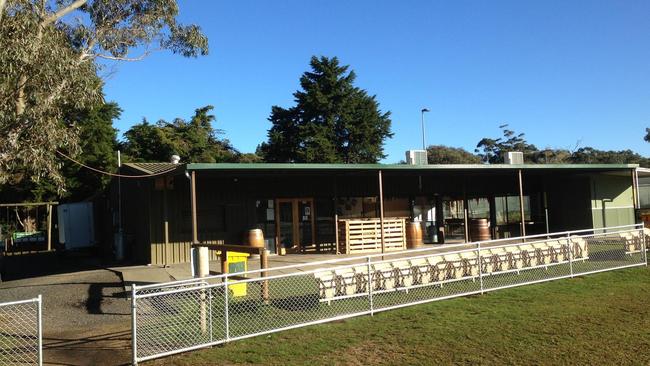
x: 21, y: 332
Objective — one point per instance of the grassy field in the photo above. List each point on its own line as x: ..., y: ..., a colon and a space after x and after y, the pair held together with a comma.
x: 597, y: 319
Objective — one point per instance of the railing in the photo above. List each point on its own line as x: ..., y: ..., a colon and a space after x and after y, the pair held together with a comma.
x: 186, y: 315
x: 21, y: 332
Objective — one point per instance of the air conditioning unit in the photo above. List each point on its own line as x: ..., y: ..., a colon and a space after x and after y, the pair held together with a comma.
x: 514, y: 157
x: 416, y: 157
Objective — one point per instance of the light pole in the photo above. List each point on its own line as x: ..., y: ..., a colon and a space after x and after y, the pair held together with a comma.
x: 424, y: 110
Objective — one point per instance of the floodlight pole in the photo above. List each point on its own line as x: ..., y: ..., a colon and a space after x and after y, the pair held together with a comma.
x: 424, y: 110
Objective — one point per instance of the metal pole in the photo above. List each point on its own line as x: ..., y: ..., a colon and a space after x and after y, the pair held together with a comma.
x: 226, y: 306
x: 49, y: 227
x: 638, y: 197
x: 134, y: 326
x: 424, y: 146
x: 480, y: 264
x: 40, y: 329
x: 210, y: 313
x: 119, y: 195
x: 546, y: 212
x: 381, y: 211
x: 568, y: 242
x: 370, y: 284
x: 521, y: 205
x: 645, y: 248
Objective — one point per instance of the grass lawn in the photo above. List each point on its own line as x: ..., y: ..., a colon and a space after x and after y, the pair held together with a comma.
x: 597, y: 319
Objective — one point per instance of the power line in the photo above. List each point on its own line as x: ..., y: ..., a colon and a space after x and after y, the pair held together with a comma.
x: 112, y: 174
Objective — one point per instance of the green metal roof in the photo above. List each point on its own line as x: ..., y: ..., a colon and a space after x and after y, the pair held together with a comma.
x: 297, y: 166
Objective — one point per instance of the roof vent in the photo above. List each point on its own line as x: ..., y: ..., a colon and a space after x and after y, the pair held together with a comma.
x: 416, y: 157
x: 175, y: 159
x: 514, y: 157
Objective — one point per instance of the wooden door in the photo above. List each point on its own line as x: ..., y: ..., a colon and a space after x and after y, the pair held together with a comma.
x: 295, y: 225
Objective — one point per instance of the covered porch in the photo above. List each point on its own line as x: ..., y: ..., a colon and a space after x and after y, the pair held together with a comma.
x: 348, y: 209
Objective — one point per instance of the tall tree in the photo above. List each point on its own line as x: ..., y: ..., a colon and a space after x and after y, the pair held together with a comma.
x: 48, y: 52
x: 492, y: 150
x: 98, y: 140
x: 194, y: 140
x: 333, y: 121
x: 647, y: 135
x: 439, y: 154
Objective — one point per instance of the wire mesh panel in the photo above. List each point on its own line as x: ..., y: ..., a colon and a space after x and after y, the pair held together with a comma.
x: 291, y: 300
x: 20, y: 335
x: 180, y: 317
x: 604, y: 251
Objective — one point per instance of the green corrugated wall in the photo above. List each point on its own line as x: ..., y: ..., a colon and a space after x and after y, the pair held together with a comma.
x: 612, y: 202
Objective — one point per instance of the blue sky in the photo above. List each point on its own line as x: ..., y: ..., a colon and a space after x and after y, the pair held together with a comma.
x: 563, y: 72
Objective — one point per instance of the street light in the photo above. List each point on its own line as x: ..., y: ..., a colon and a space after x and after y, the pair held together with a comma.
x: 424, y: 110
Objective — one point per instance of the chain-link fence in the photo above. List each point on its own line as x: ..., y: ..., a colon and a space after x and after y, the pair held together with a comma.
x: 186, y: 315
x: 21, y: 339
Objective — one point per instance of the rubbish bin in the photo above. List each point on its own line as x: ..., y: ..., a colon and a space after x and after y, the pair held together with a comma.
x: 237, y: 262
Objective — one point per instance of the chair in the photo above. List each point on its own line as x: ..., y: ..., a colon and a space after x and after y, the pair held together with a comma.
x: 468, y: 264
x: 402, y: 274
x: 434, y: 272
x: 451, y: 267
x: 382, y: 276
x: 326, y: 283
x: 527, y: 254
x: 345, y: 281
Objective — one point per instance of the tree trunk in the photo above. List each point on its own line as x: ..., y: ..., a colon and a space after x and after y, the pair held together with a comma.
x: 2, y: 8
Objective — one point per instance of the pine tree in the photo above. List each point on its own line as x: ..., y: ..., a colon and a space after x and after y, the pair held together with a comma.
x: 333, y: 121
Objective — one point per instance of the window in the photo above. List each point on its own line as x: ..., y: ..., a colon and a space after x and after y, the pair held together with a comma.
x: 508, y: 210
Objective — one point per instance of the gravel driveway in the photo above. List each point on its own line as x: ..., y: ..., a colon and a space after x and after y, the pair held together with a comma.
x: 86, y: 316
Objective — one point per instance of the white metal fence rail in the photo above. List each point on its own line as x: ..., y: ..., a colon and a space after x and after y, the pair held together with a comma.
x: 21, y: 332
x: 184, y: 315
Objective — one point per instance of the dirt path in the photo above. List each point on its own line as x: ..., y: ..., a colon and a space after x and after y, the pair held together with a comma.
x: 105, y: 345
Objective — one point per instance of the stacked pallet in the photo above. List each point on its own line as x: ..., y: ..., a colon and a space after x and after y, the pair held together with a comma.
x: 364, y: 235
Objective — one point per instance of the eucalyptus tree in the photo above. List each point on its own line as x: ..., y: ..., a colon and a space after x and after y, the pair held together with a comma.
x: 49, y: 52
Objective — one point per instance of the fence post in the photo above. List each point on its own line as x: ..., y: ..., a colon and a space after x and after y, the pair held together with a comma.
x: 644, y: 247
x: 210, y: 313
x: 226, y: 306
x: 570, y: 247
x: 479, y: 261
x: 370, y: 284
x: 134, y: 329
x: 40, y: 329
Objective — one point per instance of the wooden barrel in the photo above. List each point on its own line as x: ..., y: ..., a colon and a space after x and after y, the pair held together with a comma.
x: 256, y: 238
x: 413, y: 235
x: 479, y: 230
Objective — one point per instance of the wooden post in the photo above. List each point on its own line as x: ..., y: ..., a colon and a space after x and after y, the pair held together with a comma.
x: 195, y: 232
x: 465, y: 204
x: 381, y: 211
x: 49, y: 227
x: 336, y: 216
x: 264, y: 264
x: 521, y: 204
x: 276, y: 212
x: 634, y: 191
x: 224, y: 261
x: 201, y: 264
x: 165, y: 225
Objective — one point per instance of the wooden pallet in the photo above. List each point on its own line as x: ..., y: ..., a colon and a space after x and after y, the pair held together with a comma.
x: 364, y: 235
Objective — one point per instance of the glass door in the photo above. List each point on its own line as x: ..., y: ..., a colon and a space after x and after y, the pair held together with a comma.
x: 285, y: 223
x: 295, y: 224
